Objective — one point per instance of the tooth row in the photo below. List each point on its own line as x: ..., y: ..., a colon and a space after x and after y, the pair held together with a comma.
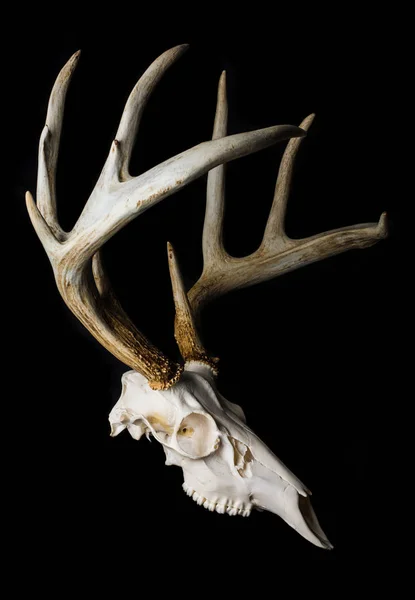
x: 212, y: 506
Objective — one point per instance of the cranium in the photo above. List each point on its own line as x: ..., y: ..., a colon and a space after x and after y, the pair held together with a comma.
x: 226, y: 467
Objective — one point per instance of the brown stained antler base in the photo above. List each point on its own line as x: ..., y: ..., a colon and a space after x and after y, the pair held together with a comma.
x: 226, y: 467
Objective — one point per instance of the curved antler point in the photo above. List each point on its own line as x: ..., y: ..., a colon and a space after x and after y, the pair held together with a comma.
x: 72, y: 62
x: 170, y: 252
x: 179, y: 48
x: 307, y: 122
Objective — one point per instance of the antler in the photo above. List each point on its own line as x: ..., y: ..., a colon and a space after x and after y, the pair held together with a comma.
x: 117, y: 199
x: 277, y: 253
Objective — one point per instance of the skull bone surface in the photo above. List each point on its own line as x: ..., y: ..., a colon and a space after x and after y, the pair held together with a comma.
x: 226, y: 467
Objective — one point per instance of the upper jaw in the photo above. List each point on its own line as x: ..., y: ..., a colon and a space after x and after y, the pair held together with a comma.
x: 221, y: 505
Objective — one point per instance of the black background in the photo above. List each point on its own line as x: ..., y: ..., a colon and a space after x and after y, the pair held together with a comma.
x: 309, y: 355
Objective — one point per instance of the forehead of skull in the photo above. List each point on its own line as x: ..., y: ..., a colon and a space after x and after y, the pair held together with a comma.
x: 139, y: 397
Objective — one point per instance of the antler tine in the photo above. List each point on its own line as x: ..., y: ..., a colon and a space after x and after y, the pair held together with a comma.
x: 185, y: 332
x: 274, y: 231
x: 49, y: 148
x: 277, y: 253
x: 212, y: 240
x: 118, y: 161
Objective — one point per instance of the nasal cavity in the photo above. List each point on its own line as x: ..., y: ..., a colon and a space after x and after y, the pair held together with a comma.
x: 197, y: 435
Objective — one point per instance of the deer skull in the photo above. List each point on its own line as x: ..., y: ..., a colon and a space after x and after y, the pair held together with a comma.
x: 226, y: 467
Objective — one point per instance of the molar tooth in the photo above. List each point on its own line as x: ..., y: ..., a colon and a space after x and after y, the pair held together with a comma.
x: 220, y: 508
x: 195, y: 496
x: 211, y: 506
x: 240, y: 511
x: 201, y: 500
x: 231, y: 511
x: 206, y: 503
x: 246, y: 512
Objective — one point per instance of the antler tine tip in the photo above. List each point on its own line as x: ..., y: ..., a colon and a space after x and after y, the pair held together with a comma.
x: 307, y: 122
x: 32, y: 209
x: 222, y: 88
x: 44, y: 233
x: 74, y: 59
x: 222, y: 81
x: 383, y: 225
x: 170, y: 252
x: 181, y: 47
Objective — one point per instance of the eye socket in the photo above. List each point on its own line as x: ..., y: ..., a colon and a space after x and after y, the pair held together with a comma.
x: 197, y: 435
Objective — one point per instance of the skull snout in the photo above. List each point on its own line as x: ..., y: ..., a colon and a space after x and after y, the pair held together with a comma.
x: 271, y: 492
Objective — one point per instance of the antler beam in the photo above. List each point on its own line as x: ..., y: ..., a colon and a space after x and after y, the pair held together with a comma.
x: 277, y: 253
x: 117, y: 199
